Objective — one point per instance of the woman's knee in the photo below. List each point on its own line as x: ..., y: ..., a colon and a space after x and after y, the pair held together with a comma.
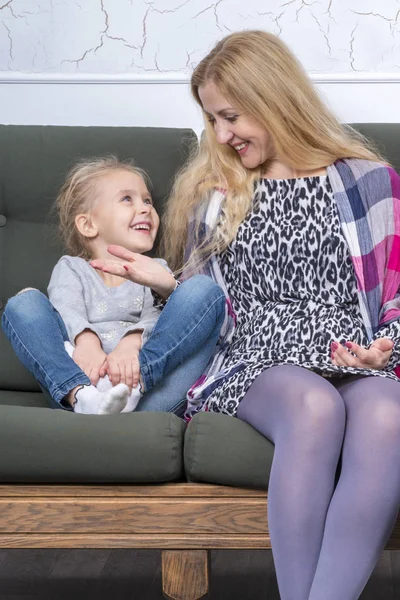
x: 303, y: 403
x: 374, y: 405
x: 321, y: 408
x: 305, y: 394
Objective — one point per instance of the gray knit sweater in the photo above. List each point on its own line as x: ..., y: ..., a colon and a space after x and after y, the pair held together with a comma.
x: 83, y: 300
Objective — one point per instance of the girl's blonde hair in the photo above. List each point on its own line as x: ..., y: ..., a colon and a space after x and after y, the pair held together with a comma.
x: 257, y: 73
x: 78, y: 195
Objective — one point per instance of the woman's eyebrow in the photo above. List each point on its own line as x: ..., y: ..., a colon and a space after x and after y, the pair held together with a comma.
x: 221, y: 112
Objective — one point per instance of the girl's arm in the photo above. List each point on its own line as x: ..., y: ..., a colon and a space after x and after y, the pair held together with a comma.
x: 65, y: 292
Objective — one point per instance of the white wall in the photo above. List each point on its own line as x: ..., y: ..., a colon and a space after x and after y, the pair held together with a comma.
x: 127, y: 62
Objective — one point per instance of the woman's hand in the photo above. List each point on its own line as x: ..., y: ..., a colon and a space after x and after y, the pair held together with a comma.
x: 122, y: 365
x: 89, y: 355
x: 138, y: 268
x: 352, y: 355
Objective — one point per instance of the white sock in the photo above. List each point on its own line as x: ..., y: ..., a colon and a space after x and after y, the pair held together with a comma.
x: 89, y: 401
x: 133, y: 399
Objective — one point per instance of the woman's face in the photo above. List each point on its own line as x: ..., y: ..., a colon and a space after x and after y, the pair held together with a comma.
x: 248, y: 138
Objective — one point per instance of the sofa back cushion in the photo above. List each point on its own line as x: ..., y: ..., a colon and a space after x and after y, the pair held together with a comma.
x: 33, y: 163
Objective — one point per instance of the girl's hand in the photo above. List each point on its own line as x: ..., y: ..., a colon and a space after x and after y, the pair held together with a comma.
x: 138, y: 268
x: 89, y: 355
x: 122, y: 365
x: 375, y: 357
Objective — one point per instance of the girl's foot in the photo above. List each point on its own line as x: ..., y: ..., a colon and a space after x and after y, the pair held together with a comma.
x: 133, y: 399
x: 89, y: 401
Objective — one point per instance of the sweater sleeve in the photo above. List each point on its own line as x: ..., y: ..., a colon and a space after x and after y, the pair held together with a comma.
x: 65, y: 292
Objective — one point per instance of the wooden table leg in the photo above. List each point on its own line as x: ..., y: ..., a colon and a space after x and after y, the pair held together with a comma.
x: 185, y: 574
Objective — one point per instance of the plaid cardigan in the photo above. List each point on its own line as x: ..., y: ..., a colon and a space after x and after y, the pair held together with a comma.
x: 368, y: 200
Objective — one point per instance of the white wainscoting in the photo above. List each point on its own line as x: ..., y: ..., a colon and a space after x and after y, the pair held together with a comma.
x: 164, y: 100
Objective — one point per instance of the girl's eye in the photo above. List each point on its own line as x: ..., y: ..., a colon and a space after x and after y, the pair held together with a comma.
x: 148, y: 201
x: 211, y: 120
x: 127, y: 198
x: 232, y: 119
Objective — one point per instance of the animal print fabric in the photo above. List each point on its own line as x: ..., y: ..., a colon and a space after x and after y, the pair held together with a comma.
x: 291, y: 282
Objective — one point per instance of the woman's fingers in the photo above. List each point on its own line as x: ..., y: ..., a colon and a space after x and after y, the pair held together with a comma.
x: 121, y: 252
x: 109, y: 266
x: 352, y: 355
x: 361, y: 353
x: 341, y: 357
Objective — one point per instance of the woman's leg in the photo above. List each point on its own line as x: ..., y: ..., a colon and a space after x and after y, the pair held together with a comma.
x: 181, y: 344
x: 37, y: 333
x: 366, y: 500
x: 304, y: 416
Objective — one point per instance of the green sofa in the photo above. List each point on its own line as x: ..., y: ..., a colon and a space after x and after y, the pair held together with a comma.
x: 71, y: 480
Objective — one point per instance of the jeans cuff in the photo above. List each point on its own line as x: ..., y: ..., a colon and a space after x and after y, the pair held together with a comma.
x: 64, y: 390
x: 146, y: 375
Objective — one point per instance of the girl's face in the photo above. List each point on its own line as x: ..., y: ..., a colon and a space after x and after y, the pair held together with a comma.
x: 123, y: 213
x: 248, y: 138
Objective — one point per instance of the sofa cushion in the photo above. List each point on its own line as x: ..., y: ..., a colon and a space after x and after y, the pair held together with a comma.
x: 224, y: 450
x: 19, y: 398
x: 44, y: 445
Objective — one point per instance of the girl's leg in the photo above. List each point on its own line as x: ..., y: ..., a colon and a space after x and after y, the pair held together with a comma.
x: 37, y: 334
x: 170, y: 394
x: 304, y: 416
x: 364, y: 506
x: 181, y: 343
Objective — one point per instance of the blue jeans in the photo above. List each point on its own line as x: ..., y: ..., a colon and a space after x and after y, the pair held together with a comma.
x: 172, y: 359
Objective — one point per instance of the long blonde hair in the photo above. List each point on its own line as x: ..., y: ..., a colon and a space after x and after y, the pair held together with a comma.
x: 78, y: 194
x: 257, y: 73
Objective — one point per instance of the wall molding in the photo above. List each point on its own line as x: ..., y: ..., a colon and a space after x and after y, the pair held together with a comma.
x: 15, y: 77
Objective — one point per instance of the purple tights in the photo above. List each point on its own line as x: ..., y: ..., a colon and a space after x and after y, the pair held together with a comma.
x: 327, y: 538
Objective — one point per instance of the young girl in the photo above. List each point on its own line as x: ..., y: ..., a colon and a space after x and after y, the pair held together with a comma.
x: 119, y: 314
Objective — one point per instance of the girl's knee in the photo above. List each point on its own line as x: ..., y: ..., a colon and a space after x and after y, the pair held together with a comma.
x: 29, y: 289
x: 26, y: 302
x: 201, y: 288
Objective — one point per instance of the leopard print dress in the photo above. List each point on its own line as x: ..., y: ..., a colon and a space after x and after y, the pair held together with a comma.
x: 291, y: 282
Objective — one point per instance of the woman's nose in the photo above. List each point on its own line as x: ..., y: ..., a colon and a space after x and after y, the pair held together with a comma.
x: 222, y: 133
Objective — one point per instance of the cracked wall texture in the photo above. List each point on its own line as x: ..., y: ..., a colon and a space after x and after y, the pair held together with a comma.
x: 170, y: 36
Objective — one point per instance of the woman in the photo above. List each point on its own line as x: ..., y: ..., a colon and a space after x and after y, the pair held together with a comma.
x: 297, y: 218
